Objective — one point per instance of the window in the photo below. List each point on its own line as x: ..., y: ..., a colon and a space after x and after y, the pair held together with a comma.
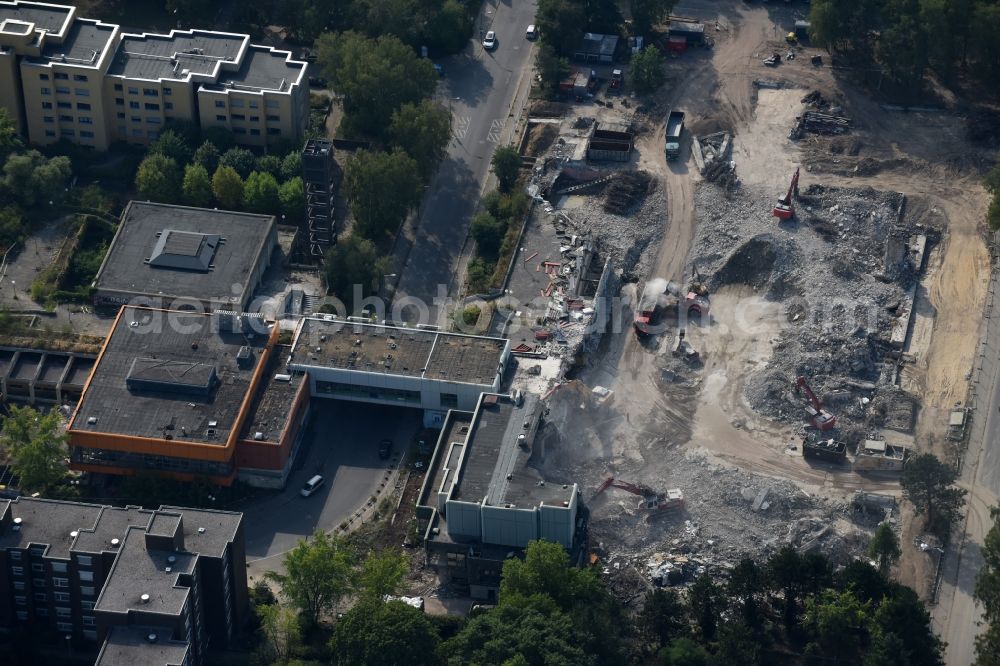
x: 87, y: 590
x: 136, y: 119
x: 43, y: 77
x: 86, y: 605
x: 237, y: 116
x: 150, y: 106
x: 167, y: 92
x: 14, y: 555
x: 239, y: 130
x: 449, y: 400
x: 19, y: 585
x: 133, y: 91
x: 119, y: 101
x: 38, y: 582
x: 255, y: 119
x: 38, y: 567
x: 121, y: 129
x: 85, y: 560
x: 121, y: 115
x: 22, y: 615
x: 82, y: 106
x: 87, y: 576
x: 21, y: 600
x: 255, y: 132
x: 254, y: 104
x: 67, y: 133
x: 236, y: 103
x: 46, y: 105
x: 81, y: 92
x: 137, y: 132
x: 273, y: 131
x: 62, y: 76
x: 169, y: 106
x: 63, y: 611
x: 86, y: 134
x: 153, y: 134
x: 272, y: 104
x: 133, y: 105
x: 60, y: 582
x: 59, y: 567
x: 63, y: 119
x: 150, y: 92
x: 118, y: 87
x: 64, y: 626
x: 88, y: 621
x: 221, y: 118
x: 62, y: 90
x: 153, y: 120
x: 64, y: 105
x: 80, y: 77
x: 219, y: 104
x: 40, y: 596
x: 46, y: 91
x: 91, y: 635
x: 49, y: 119
x: 273, y: 118
x: 61, y: 596
x: 42, y: 611
x: 50, y: 132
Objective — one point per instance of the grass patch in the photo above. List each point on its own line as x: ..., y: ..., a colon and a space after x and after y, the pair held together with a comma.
x: 488, y: 267
x: 68, y: 279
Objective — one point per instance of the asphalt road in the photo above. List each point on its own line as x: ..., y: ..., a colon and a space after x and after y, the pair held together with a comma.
x: 342, y: 445
x: 479, y: 87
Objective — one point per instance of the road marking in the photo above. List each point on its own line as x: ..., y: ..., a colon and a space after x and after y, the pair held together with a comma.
x: 461, y: 126
x: 496, y: 129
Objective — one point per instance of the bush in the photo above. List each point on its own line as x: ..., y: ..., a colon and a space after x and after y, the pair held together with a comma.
x: 488, y: 232
x: 470, y: 314
x: 480, y: 274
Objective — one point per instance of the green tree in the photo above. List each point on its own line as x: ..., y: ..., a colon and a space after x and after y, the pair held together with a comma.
x: 384, y: 634
x: 282, y: 633
x: 269, y: 164
x: 903, y: 45
x: 207, y: 156
x: 561, y: 24
x: 552, y: 67
x: 785, y: 572
x: 886, y: 650
x: 423, y: 131
x: 992, y: 180
x: 745, y: 588
x: 317, y: 574
x: 197, y: 186
x: 158, y: 179
x: 291, y: 165
x: 516, y: 635
x: 506, y: 164
x: 488, y: 232
x: 663, y: 617
x: 260, y: 193
x: 381, y: 574
x: 375, y: 77
x: 647, y: 71
x: 36, y: 445
x: 737, y: 645
x: 480, y: 273
x: 993, y: 213
x: 884, y: 548
x: 646, y: 14
x: 171, y: 144
x: 227, y: 186
x: 983, y: 51
x: 352, y: 266
x: 836, y: 622
x: 220, y: 137
x: 32, y: 180
x: 381, y: 189
x: 706, y: 601
x: 844, y: 25
x: 292, y: 195
x: 12, y: 228
x: 987, y: 593
x: 451, y: 27
x: 902, y: 613
x: 684, y: 652
x: 545, y: 570
x: 240, y: 159
x: 10, y: 140
x: 928, y: 484
x: 863, y: 580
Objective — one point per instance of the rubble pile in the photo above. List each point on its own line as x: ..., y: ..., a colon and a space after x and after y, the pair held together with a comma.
x: 625, y: 190
x: 841, y: 268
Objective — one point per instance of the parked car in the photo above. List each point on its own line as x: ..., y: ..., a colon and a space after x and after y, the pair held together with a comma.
x: 531, y: 33
x: 312, y: 485
x: 385, y: 448
x: 490, y: 41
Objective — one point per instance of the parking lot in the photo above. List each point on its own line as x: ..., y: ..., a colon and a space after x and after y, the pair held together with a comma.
x: 341, y: 443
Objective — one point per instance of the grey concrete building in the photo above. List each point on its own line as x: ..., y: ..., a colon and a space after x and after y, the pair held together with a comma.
x: 160, y: 587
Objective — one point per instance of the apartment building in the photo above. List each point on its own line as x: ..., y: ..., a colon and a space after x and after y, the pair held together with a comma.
x: 66, y: 77
x: 150, y: 586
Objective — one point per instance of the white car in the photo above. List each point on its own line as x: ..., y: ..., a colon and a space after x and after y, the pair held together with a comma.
x: 490, y: 41
x: 532, y: 32
x: 312, y: 485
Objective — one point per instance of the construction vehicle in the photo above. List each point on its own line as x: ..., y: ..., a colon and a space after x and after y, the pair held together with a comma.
x: 651, y: 500
x: 819, y: 418
x: 689, y: 301
x: 615, y: 83
x: 828, y: 449
x: 792, y: 38
x: 650, y: 307
x: 785, y: 208
x: 683, y: 349
x: 675, y: 127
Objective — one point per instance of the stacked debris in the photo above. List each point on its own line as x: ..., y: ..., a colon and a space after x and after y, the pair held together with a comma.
x: 626, y: 190
x: 711, y: 156
x: 824, y: 119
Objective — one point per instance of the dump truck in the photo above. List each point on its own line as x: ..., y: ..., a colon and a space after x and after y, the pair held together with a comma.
x: 675, y: 126
x: 650, y: 307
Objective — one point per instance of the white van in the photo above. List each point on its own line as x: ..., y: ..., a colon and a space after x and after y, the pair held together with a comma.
x: 312, y: 485
x: 531, y: 33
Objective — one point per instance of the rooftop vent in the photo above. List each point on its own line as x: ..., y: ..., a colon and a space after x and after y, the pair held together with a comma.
x: 167, y: 570
x: 258, y: 436
x: 151, y: 637
x: 213, y: 424
x: 115, y: 542
x: 72, y: 535
x: 92, y: 420
x: 171, y: 559
x: 145, y: 599
x: 201, y: 530
x: 18, y: 520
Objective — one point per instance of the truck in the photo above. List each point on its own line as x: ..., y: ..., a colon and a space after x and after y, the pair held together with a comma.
x: 675, y: 126
x: 660, y: 295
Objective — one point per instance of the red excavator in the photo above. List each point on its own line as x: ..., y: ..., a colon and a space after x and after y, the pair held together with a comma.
x: 651, y: 500
x: 785, y: 208
x: 818, y: 417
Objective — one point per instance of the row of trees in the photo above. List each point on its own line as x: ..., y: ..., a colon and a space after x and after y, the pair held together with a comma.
x: 904, y: 37
x: 790, y: 609
x: 929, y: 485
x: 992, y: 184
x: 34, y: 444
x: 30, y: 183
x: 174, y: 171
x: 987, y: 593
x: 495, y: 228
